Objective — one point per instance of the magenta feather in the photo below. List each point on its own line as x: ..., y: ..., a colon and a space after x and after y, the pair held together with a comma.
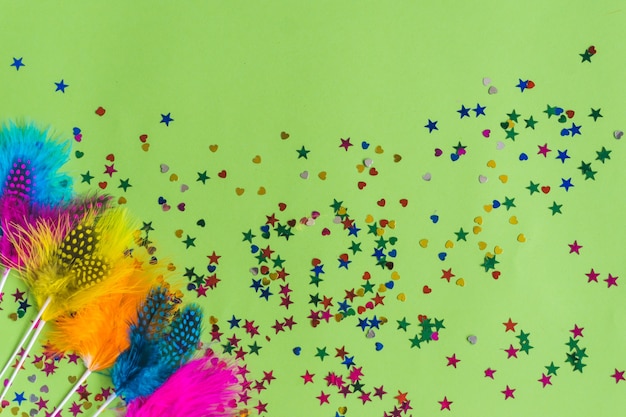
x: 203, y: 387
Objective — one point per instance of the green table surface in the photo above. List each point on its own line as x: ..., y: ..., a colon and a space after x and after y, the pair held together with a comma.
x: 415, y: 174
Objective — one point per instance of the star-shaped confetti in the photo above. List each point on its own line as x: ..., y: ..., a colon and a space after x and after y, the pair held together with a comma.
x: 166, y: 119
x: 61, y: 86
x: 431, y: 126
x: 17, y: 63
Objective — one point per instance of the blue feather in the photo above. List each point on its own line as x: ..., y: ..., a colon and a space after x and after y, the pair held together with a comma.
x: 140, y: 370
x: 180, y: 343
x: 30, y: 160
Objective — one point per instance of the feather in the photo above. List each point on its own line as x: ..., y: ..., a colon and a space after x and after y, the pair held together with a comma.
x: 79, y: 267
x: 179, y: 344
x: 137, y: 371
x: 92, y: 332
x: 203, y: 387
x: 18, y: 217
x: 30, y: 160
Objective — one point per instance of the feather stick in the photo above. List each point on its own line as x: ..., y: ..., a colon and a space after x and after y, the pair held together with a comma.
x: 83, y: 267
x: 30, y: 160
x: 203, y: 387
x: 93, y: 334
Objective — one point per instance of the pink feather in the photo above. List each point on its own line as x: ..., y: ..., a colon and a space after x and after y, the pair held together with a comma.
x: 203, y: 387
x: 17, y: 217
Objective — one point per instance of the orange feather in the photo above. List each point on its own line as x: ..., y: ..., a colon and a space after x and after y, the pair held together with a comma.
x: 99, y: 331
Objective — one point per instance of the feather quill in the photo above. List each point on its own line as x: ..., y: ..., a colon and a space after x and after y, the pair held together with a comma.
x: 203, y: 387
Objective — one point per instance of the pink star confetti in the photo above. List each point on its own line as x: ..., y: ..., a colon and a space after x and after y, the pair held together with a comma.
x: 452, y: 360
x: 618, y: 375
x: 511, y: 352
x: 611, y: 281
x: 545, y: 380
x: 577, y: 331
x: 489, y: 373
x: 445, y: 404
x: 543, y: 150
x: 508, y: 393
x: 574, y: 247
x: 345, y: 143
x: 592, y: 276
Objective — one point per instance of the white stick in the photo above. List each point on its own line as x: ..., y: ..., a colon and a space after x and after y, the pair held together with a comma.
x: 25, y: 337
x: 40, y: 327
x: 73, y: 390
x: 3, y: 280
x: 105, y: 405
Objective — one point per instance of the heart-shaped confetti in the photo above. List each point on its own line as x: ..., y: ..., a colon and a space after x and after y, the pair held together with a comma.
x: 304, y: 175
x: 426, y: 289
x: 284, y: 135
x: 427, y: 176
x: 164, y: 168
x: 486, y: 133
x: 472, y: 339
x: 482, y: 179
x: 492, y: 90
x: 618, y: 134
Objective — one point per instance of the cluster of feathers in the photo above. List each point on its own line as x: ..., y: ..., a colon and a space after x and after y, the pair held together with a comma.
x: 106, y: 302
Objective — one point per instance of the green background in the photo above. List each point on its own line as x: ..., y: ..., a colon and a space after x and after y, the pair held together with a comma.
x: 237, y: 74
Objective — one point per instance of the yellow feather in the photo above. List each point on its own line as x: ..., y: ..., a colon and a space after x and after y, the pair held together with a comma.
x: 85, y: 263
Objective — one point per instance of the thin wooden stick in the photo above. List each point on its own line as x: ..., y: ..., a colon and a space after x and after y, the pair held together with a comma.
x: 105, y: 405
x: 69, y: 394
x: 40, y: 327
x: 25, y: 337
